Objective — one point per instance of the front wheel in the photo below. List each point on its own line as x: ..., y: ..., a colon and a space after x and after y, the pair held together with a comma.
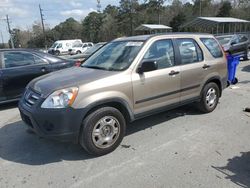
x: 209, y: 97
x: 102, y: 131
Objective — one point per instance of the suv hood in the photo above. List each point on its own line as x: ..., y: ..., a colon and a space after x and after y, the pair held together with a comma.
x: 70, y: 77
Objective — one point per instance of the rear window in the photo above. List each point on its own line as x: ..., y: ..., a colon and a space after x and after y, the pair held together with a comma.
x: 212, y: 46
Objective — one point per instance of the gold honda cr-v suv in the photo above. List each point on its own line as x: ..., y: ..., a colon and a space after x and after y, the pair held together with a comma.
x: 127, y: 79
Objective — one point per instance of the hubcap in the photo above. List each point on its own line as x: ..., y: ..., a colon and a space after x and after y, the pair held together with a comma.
x: 105, y: 132
x: 211, y: 97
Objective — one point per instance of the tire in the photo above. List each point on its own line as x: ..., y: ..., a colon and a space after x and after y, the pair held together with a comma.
x: 207, y: 104
x: 78, y: 52
x: 57, y: 53
x: 97, y: 129
x: 247, y: 55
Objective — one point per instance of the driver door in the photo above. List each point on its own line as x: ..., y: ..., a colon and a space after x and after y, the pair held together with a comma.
x: 155, y: 89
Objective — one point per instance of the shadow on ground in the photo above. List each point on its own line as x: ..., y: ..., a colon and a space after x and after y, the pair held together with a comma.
x: 19, y: 146
x: 237, y: 169
x: 246, y: 68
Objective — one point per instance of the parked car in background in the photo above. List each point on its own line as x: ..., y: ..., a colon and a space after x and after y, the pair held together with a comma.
x: 237, y: 44
x: 62, y: 47
x: 80, y: 48
x: 127, y: 79
x: 19, y: 66
x: 80, y: 58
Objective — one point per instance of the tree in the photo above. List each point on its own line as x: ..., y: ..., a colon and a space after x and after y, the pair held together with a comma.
x: 225, y: 9
x: 177, y: 21
x: 127, y: 16
x: 92, y: 26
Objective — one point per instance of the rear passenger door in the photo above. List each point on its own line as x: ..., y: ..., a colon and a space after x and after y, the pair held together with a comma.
x: 19, y: 68
x: 193, y: 68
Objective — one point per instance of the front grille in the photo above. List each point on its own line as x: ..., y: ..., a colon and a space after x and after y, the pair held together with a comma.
x: 31, y: 97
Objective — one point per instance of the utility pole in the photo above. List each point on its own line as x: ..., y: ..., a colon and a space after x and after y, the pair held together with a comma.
x: 99, y: 6
x: 200, y: 8
x: 2, y: 38
x: 42, y: 20
x: 10, y: 32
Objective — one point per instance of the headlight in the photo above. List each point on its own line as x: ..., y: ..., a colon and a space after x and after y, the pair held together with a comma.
x: 61, y: 98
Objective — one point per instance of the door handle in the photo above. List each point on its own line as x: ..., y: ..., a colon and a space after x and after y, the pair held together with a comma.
x: 206, y: 66
x: 172, y: 73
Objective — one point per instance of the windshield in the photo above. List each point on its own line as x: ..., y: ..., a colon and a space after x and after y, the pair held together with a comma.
x: 115, y: 56
x: 224, y: 40
x: 54, y: 45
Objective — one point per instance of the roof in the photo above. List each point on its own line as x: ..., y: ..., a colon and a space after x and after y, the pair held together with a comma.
x: 146, y: 27
x: 210, y: 21
x: 146, y: 37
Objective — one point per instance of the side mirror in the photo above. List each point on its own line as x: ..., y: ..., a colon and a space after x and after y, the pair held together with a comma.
x: 147, y: 66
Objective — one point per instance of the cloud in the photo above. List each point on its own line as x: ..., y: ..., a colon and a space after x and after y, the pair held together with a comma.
x: 14, y: 11
x: 75, y: 4
x: 5, y: 3
x: 77, y: 12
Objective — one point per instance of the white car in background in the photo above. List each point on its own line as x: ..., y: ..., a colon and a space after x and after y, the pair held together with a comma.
x: 80, y: 48
x: 61, y: 47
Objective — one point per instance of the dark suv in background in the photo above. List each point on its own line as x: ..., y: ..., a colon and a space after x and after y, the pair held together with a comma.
x: 237, y: 44
x: 19, y: 66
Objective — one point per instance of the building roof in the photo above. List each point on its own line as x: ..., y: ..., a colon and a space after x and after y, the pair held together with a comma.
x: 211, y: 21
x: 147, y: 27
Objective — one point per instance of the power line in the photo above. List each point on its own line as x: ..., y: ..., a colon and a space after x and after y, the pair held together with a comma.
x: 10, y: 32
x: 42, y: 20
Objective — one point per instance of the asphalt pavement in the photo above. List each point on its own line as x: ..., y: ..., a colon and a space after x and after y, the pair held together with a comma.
x: 177, y: 148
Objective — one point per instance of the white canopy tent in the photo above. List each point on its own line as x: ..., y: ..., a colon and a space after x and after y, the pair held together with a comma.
x: 153, y: 28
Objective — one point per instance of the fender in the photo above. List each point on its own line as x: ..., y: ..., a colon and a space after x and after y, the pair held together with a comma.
x: 124, y: 104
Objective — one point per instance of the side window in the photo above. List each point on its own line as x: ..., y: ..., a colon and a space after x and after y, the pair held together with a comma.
x: 243, y: 38
x: 17, y: 59
x: 212, y: 46
x: 39, y: 60
x: 162, y: 52
x: 190, y: 51
x: 59, y: 45
x: 235, y: 39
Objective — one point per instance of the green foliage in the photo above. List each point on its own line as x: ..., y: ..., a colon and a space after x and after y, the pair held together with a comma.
x: 177, y: 21
x: 225, y: 9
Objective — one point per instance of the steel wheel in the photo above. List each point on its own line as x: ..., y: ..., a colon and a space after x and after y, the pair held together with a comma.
x: 105, y: 132
x: 211, y: 97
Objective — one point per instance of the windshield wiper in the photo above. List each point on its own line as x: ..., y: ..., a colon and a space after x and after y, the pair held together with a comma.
x: 94, y: 67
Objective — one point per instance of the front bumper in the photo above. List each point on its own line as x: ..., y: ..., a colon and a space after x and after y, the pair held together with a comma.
x: 61, y: 124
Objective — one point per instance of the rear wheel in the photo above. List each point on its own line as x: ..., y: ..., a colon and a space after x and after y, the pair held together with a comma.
x: 102, y: 131
x: 78, y: 52
x: 209, y: 97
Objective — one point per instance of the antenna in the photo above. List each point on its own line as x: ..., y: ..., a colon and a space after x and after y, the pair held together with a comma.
x: 99, y: 6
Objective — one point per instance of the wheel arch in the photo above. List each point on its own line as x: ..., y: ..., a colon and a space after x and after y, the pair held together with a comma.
x: 215, y: 79
x: 117, y: 103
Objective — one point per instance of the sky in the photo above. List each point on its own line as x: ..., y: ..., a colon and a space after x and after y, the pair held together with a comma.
x: 23, y: 13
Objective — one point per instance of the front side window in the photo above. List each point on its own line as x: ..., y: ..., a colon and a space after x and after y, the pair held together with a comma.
x: 17, y: 59
x: 212, y: 46
x: 243, y: 38
x: 116, y: 56
x: 190, y: 52
x: 162, y: 52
